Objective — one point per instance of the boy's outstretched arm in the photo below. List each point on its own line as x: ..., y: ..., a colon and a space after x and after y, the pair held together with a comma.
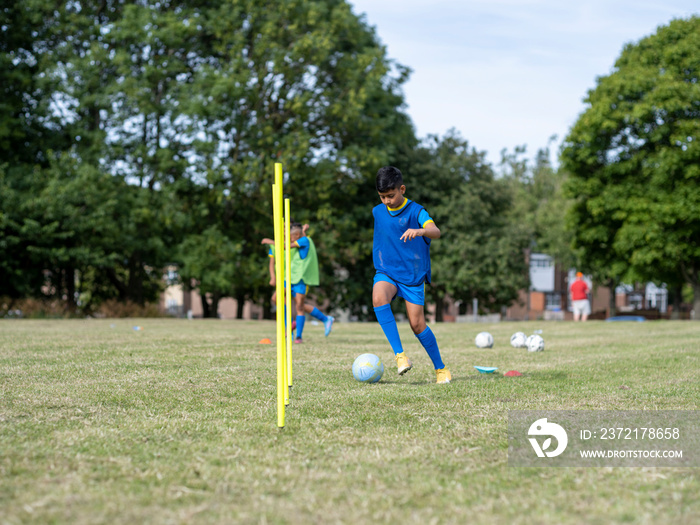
x: 431, y: 231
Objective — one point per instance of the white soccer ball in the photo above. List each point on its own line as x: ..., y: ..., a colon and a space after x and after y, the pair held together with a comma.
x: 535, y: 343
x: 518, y: 340
x: 368, y: 368
x: 484, y: 340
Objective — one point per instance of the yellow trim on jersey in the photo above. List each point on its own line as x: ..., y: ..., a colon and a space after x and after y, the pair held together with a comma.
x: 405, y: 201
x: 428, y: 222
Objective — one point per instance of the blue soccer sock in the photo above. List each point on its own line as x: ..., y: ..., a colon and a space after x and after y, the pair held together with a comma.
x: 300, y: 325
x: 427, y: 339
x: 388, y: 323
x: 318, y: 314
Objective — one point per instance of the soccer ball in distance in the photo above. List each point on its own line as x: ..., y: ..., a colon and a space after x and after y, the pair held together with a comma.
x: 535, y: 343
x: 368, y: 368
x: 518, y: 340
x: 484, y: 340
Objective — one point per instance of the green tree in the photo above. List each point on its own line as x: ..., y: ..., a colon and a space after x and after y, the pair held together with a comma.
x: 76, y: 229
x: 19, y: 275
x: 307, y: 84
x: 187, y: 105
x: 194, y: 102
x: 478, y: 256
x: 633, y: 162
x: 209, y: 259
x: 539, y: 204
x: 29, y: 132
x: 64, y: 223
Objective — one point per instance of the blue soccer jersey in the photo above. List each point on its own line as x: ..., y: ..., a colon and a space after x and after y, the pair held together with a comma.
x: 405, y: 262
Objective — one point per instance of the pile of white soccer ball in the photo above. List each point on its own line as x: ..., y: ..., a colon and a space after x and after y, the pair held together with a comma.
x: 533, y: 343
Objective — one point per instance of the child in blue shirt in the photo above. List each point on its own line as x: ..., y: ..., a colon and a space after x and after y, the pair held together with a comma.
x: 403, y: 231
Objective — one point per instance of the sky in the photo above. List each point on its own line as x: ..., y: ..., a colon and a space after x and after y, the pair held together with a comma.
x: 506, y: 73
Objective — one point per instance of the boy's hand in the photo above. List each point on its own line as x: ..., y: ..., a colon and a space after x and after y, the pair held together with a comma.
x: 412, y: 233
x: 273, y: 281
x: 267, y: 241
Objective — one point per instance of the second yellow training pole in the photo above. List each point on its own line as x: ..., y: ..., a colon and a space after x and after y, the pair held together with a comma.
x: 288, y: 292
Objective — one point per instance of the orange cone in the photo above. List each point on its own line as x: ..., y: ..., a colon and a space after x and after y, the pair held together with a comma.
x: 265, y: 341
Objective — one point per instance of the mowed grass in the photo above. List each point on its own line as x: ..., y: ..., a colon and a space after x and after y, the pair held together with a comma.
x: 176, y: 423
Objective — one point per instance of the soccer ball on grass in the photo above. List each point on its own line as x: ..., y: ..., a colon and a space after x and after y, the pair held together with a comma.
x: 535, y: 343
x: 484, y: 340
x: 368, y: 368
x: 518, y: 340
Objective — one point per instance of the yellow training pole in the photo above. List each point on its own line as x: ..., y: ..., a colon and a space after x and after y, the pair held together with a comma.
x: 279, y: 290
x: 280, y: 200
x: 288, y: 292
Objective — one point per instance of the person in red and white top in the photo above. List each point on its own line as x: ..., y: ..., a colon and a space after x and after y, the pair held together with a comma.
x: 579, y: 298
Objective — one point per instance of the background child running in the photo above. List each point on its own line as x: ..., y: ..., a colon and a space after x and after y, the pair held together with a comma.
x: 304, y: 269
x: 403, y: 231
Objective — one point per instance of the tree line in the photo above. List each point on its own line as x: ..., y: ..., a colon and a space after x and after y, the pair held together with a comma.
x: 139, y: 135
x: 633, y: 165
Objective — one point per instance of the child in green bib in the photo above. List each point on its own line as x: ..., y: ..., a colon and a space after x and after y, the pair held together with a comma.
x: 304, y: 270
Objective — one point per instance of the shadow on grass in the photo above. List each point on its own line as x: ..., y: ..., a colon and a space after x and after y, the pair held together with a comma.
x: 542, y: 376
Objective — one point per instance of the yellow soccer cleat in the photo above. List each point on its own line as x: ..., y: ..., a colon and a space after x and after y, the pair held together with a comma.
x: 443, y: 376
x: 403, y: 362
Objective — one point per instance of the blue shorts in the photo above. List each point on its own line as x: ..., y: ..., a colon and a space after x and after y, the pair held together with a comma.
x: 299, y: 288
x: 411, y: 294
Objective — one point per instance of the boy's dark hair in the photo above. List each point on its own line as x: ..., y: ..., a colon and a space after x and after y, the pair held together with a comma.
x: 295, y: 226
x: 389, y: 178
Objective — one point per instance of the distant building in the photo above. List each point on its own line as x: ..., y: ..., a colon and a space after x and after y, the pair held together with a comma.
x: 182, y: 303
x: 548, y: 296
x: 642, y: 297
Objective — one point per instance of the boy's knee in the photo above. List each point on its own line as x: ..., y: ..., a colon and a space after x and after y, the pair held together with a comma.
x: 418, y: 326
x: 380, y: 298
x: 379, y: 301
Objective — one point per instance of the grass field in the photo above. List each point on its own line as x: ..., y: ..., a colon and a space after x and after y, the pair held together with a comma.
x: 176, y: 423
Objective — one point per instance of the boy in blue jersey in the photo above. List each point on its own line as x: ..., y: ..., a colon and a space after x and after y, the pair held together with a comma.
x: 305, y: 273
x: 403, y: 231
